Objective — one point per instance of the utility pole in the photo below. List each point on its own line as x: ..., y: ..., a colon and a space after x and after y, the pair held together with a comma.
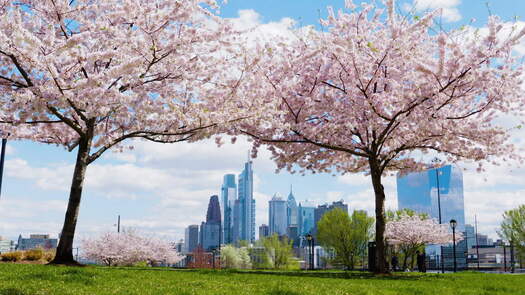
x: 118, y: 224
x: 436, y: 161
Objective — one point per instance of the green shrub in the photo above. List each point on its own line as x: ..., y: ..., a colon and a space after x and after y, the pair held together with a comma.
x: 34, y: 254
x: 12, y: 256
x: 141, y: 264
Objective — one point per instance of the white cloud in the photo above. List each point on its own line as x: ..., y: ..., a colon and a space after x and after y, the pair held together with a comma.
x: 250, y: 22
x: 450, y: 12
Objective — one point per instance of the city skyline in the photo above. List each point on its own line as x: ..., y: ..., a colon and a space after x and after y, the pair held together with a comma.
x: 159, y: 189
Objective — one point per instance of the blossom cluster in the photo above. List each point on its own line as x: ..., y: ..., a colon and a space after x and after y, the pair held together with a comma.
x: 128, y: 248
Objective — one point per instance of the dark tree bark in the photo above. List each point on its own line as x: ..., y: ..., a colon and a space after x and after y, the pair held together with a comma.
x: 64, y: 253
x: 379, y: 190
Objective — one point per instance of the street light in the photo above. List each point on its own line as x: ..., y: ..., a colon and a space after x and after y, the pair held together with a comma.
x: 453, y: 225
x: 311, y: 254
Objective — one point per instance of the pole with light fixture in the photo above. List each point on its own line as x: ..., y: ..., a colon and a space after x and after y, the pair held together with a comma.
x: 453, y: 225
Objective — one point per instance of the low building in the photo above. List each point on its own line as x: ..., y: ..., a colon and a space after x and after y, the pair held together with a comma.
x: 36, y: 241
x: 6, y: 245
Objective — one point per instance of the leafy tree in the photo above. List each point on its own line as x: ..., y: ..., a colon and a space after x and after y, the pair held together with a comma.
x: 230, y: 257
x: 233, y: 257
x: 347, y: 235
x: 375, y: 89
x: 88, y: 75
x: 513, y: 229
x: 279, y: 251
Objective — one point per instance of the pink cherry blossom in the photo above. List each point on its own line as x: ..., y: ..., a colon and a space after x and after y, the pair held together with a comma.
x: 128, y: 248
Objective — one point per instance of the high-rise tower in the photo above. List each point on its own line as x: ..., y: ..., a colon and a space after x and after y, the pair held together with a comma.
x: 277, y: 216
x: 228, y: 198
x: 246, y: 205
x: 210, y: 234
x: 291, y: 213
x: 438, y: 193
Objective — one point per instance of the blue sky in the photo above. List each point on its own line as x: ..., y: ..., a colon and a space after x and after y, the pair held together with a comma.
x: 161, y: 189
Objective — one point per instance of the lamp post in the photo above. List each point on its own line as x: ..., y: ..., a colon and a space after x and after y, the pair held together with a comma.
x: 437, y: 161
x: 310, y: 254
x: 453, y: 225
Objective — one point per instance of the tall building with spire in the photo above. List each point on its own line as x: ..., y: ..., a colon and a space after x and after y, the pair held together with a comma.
x: 291, y: 214
x: 244, y: 222
x: 228, y: 198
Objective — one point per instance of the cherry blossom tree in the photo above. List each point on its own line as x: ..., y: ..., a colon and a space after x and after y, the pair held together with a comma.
x: 89, y: 74
x: 375, y: 91
x: 128, y: 248
x: 413, y: 232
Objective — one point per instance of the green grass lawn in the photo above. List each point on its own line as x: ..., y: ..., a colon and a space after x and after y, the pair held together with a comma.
x: 19, y: 279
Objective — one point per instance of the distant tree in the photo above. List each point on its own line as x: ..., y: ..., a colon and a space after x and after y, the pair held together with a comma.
x: 233, y: 257
x: 392, y: 215
x: 347, y: 235
x: 279, y: 251
x: 513, y: 229
x: 128, y: 248
x: 244, y: 258
x: 411, y: 233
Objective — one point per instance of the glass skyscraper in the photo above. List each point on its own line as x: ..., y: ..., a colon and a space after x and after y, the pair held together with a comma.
x: 244, y: 223
x: 278, y: 217
x: 425, y: 192
x: 306, y: 216
x: 210, y: 232
x: 228, y: 197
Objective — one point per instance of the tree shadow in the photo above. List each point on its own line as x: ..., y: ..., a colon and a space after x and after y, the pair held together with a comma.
x: 12, y: 291
x: 344, y: 275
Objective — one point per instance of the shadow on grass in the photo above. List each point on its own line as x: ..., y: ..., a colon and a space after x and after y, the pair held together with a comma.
x: 12, y: 291
x: 342, y: 275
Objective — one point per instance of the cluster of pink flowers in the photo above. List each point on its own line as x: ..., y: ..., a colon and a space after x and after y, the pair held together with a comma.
x: 128, y: 248
x: 418, y: 231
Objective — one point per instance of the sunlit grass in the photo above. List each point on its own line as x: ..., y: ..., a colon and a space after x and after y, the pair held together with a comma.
x: 18, y: 279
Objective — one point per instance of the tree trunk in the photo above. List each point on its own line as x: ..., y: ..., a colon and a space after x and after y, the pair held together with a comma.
x: 379, y: 190
x: 64, y: 253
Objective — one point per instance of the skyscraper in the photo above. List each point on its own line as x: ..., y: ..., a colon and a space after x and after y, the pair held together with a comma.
x: 191, y: 238
x: 306, y: 219
x: 264, y: 231
x: 210, y: 235
x: 419, y: 192
x: 246, y: 218
x: 291, y: 213
x: 278, y: 220
x: 228, y: 198
x: 426, y: 192
x: 321, y: 210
